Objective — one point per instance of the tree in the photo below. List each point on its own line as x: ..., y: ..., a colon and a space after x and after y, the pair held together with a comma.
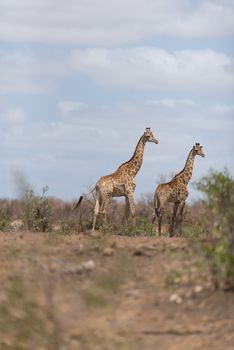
x: 218, y: 188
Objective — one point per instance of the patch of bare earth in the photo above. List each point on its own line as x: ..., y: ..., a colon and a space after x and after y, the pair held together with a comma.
x: 98, y: 291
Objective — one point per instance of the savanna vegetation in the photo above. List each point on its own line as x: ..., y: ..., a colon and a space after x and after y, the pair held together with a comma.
x: 210, y: 220
x: 64, y: 287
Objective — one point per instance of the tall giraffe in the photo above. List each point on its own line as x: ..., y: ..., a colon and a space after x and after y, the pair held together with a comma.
x: 175, y: 191
x: 121, y: 182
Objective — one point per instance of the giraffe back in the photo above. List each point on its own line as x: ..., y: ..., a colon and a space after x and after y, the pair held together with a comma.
x: 172, y: 191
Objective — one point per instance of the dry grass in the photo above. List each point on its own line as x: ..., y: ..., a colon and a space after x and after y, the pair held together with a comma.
x: 121, y: 300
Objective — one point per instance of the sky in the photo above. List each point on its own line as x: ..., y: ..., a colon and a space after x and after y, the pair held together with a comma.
x: 80, y: 80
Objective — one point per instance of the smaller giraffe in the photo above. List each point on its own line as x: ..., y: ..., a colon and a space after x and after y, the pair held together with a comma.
x: 121, y: 182
x: 175, y: 191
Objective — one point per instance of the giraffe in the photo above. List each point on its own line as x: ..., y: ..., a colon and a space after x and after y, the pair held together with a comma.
x: 175, y: 191
x: 121, y: 182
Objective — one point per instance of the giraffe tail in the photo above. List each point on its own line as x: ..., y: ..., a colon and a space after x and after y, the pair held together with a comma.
x: 81, y: 197
x: 78, y: 203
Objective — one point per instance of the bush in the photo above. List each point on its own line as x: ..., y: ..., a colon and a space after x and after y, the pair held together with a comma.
x: 141, y: 228
x: 36, y: 213
x: 4, y: 221
x: 5, y: 215
x: 218, y: 188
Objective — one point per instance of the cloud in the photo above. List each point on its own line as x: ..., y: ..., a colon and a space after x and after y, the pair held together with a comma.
x: 12, y: 115
x: 92, y: 50
x: 171, y: 103
x: 227, y: 109
x: 111, y: 23
x: 24, y: 71
x: 154, y: 69
x: 71, y: 153
x: 146, y: 68
x: 70, y: 107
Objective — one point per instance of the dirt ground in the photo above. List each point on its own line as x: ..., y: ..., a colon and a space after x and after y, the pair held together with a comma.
x: 107, y: 292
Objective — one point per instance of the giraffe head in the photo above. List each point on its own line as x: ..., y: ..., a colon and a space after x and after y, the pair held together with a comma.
x: 197, y: 149
x: 149, y: 136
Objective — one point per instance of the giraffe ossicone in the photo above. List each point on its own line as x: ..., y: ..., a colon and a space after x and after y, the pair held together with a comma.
x: 121, y: 182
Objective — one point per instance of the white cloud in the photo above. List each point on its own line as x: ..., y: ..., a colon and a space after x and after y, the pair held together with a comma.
x: 204, y: 72
x: 22, y: 71
x: 227, y: 109
x: 169, y: 102
x: 70, y: 154
x: 11, y: 115
x: 153, y: 69
x: 111, y: 22
x: 70, y: 107
x: 16, y: 115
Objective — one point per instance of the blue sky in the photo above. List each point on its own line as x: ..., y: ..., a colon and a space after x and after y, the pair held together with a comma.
x: 81, y: 79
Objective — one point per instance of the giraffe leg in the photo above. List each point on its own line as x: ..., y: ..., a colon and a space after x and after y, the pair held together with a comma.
x: 126, y: 216
x: 132, y: 209
x: 156, y: 214
x: 96, y: 211
x: 180, y: 217
x: 104, y: 206
x: 171, y: 228
x: 160, y: 213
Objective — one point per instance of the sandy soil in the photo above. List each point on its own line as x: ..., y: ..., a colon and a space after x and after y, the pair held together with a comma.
x: 104, y: 292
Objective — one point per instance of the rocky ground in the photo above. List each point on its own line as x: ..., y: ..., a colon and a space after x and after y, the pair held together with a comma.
x: 107, y: 292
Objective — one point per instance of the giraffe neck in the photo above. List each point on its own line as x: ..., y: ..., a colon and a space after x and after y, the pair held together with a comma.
x: 187, y: 171
x: 134, y: 164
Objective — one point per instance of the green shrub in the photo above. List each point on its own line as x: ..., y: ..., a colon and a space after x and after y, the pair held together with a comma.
x: 194, y: 231
x: 36, y: 213
x: 5, y: 217
x: 218, y: 188
x: 68, y: 227
x: 4, y: 221
x: 141, y: 228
